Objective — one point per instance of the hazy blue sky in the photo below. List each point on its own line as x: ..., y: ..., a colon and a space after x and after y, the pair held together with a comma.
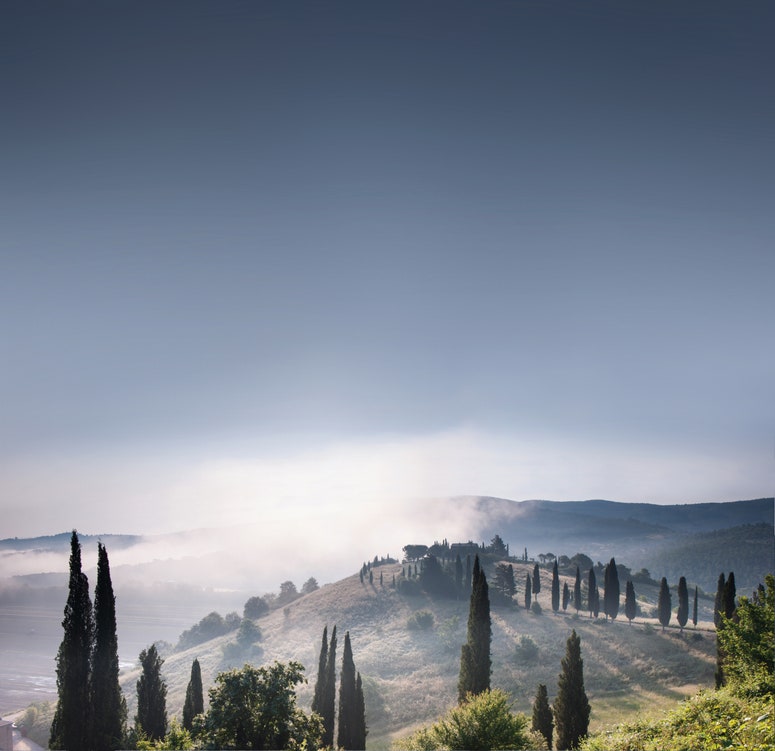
x: 258, y: 257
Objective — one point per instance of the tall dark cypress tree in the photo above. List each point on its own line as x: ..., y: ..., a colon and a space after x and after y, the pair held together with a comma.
x: 71, y: 723
x: 536, y: 581
x: 730, y: 596
x: 328, y: 704
x: 555, y: 588
x: 151, y: 714
x: 528, y: 591
x: 571, y: 706
x: 346, y: 730
x: 195, y: 701
x: 694, y: 610
x: 718, y: 604
x: 317, y: 699
x: 611, y: 595
x: 108, y: 707
x: 630, y: 605
x: 543, y: 721
x: 360, y: 729
x: 664, y: 604
x: 475, y: 663
x: 577, y: 591
x: 565, y: 595
x: 593, y: 595
x: 683, y: 603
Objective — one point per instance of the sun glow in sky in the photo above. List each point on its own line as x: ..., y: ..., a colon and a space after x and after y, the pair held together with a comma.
x: 301, y: 261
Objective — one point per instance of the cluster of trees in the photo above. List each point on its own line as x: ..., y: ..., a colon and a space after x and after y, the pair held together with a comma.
x: 249, y: 708
x: 738, y: 714
x: 351, y: 728
x: 483, y: 718
x: 91, y: 712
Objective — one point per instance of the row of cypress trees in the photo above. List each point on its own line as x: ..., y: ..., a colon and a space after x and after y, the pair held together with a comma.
x: 91, y: 711
x: 351, y: 727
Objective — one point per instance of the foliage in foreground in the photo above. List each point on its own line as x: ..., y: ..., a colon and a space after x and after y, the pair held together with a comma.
x: 483, y: 721
x: 255, y: 708
x: 710, y: 720
x: 740, y: 716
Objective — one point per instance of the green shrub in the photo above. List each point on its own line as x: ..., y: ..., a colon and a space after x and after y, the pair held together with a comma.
x: 422, y: 620
x: 526, y: 649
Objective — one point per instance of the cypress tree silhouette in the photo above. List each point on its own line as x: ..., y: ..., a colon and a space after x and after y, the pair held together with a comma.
x: 694, y: 610
x: 683, y: 603
x: 593, y: 595
x: 195, y: 702
x: 328, y: 703
x: 543, y: 721
x: 571, y: 706
x: 71, y: 723
x: 718, y: 604
x: 611, y: 595
x: 665, y: 603
x: 730, y: 596
x: 475, y: 663
x: 555, y: 588
x: 528, y: 591
x: 577, y: 591
x: 630, y: 605
x: 536, y: 581
x: 565, y: 595
x: 351, y: 731
x: 317, y: 699
x: 151, y: 696
x: 108, y: 707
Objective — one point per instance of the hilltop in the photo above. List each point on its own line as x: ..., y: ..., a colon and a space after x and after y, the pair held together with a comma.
x: 410, y: 676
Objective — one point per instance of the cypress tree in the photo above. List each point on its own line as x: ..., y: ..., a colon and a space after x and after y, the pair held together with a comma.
x: 577, y: 591
x: 542, y: 715
x: 475, y: 663
x: 718, y: 604
x: 555, y: 588
x: 665, y: 603
x: 328, y: 704
x: 360, y: 730
x: 71, y: 723
x: 683, y: 603
x: 730, y: 595
x: 528, y: 591
x: 195, y: 702
x: 317, y: 699
x: 108, y: 707
x: 151, y: 715
x: 571, y: 706
x: 611, y: 595
x: 347, y: 728
x: 694, y: 610
x: 565, y: 595
x: 536, y: 581
x: 630, y: 606
x: 593, y: 595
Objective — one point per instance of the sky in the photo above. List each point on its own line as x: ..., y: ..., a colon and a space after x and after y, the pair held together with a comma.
x: 316, y: 263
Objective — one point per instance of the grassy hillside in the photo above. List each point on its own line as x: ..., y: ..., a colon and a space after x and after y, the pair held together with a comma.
x: 410, y: 676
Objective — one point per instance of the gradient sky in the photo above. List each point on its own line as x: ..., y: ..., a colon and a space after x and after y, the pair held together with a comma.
x: 262, y: 257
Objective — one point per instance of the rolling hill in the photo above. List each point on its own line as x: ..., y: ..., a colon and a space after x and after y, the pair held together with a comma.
x: 410, y: 676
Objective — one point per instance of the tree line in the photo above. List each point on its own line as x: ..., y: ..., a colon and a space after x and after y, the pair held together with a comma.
x: 249, y: 708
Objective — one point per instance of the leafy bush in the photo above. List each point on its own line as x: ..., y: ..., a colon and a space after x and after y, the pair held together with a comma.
x: 526, y: 649
x: 484, y: 721
x: 422, y: 620
x: 709, y: 720
x: 210, y: 627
